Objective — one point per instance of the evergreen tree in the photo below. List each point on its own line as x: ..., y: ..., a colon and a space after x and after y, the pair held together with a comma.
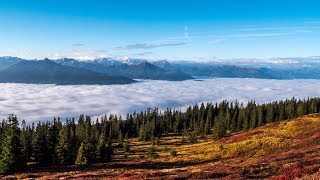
x: 87, y: 150
x: 301, y: 109
x: 207, y: 128
x: 52, y: 136
x: 89, y: 142
x: 227, y: 119
x: 26, y: 141
x: 102, y: 149
x: 12, y: 159
x: 261, y: 116
x: 233, y: 124
x: 270, y: 113
x: 82, y: 155
x: 126, y: 144
x: 41, y: 149
x: 219, y: 127
x: 64, y: 147
x: 254, y: 118
x: 120, y: 138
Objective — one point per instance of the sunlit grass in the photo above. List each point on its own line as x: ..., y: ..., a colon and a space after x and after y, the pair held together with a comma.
x: 258, y: 142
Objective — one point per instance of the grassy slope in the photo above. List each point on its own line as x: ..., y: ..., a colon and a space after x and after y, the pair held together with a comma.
x: 281, y: 150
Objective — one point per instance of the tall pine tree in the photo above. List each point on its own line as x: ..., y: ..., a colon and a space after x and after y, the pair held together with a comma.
x: 12, y: 159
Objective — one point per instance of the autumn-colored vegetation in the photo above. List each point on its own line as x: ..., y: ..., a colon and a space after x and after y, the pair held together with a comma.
x: 281, y: 150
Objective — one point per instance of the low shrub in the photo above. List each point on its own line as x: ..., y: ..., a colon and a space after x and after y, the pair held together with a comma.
x: 173, y: 153
x: 152, y: 152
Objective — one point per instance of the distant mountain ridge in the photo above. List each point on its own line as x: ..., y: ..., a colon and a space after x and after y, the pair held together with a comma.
x: 132, y: 68
x: 49, y: 72
x: 147, y: 70
x: 179, y: 70
x: 7, y: 61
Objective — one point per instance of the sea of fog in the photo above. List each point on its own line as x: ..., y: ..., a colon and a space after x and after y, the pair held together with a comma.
x: 43, y: 102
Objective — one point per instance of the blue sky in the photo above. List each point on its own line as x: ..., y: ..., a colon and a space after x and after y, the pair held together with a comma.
x: 166, y: 29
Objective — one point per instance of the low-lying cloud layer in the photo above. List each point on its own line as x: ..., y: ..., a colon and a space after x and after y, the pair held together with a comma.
x: 43, y: 102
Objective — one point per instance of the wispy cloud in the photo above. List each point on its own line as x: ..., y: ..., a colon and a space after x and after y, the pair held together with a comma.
x: 148, y: 46
x: 142, y: 54
x: 254, y: 35
x: 78, y: 44
x: 271, y: 28
x: 217, y: 41
x: 260, y: 34
x: 87, y: 51
x: 186, y: 33
x: 82, y: 54
x: 26, y: 53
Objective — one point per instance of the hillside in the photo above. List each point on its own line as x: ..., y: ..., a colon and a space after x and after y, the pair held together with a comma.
x: 49, y: 72
x: 280, y: 150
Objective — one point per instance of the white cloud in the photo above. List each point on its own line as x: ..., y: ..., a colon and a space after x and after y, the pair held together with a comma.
x: 23, y: 53
x: 85, y: 54
x: 43, y: 102
x: 82, y: 54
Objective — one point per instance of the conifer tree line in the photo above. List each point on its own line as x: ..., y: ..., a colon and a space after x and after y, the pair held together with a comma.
x: 85, y: 141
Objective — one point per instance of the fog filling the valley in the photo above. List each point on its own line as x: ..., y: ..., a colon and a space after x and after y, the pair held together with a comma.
x: 43, y: 102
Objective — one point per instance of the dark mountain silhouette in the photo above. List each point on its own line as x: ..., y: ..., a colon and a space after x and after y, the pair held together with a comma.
x: 143, y: 70
x: 227, y: 71
x: 147, y: 70
x: 49, y: 72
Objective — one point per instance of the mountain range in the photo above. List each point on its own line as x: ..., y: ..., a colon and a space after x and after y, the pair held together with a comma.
x: 49, y: 72
x: 131, y: 68
x: 114, y: 71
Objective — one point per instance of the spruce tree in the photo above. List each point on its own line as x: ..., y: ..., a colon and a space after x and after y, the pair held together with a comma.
x: 120, y: 138
x: 102, y: 148
x: 64, y: 147
x: 26, y: 141
x: 253, y: 118
x: 12, y: 159
x: 227, y: 119
x: 41, y: 147
x: 87, y: 150
x: 207, y: 128
x: 234, y: 119
x: 219, y: 127
x: 82, y: 155
x: 261, y: 116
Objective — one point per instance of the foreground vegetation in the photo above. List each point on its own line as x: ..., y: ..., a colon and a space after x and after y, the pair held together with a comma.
x: 190, y: 139
x: 281, y: 150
